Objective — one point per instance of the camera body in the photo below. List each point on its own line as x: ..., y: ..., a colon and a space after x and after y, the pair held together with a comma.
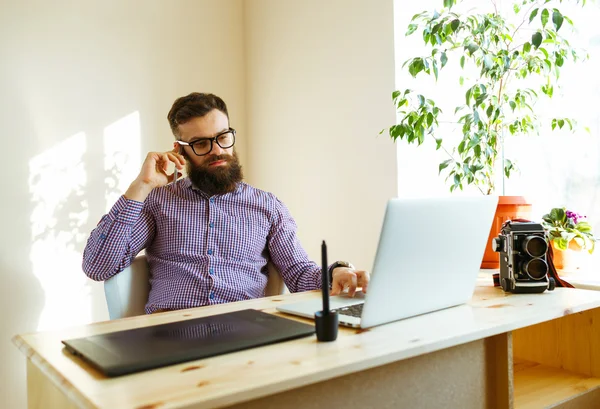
x: 523, y: 248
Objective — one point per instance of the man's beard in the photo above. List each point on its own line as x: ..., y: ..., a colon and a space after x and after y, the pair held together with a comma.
x: 216, y: 180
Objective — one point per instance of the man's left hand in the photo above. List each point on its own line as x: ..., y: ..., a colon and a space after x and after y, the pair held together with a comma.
x: 348, y: 278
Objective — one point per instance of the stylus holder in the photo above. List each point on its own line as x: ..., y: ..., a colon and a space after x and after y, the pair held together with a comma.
x: 326, y: 326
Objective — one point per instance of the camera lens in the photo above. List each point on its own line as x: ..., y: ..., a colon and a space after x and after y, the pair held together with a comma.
x: 535, y: 246
x: 535, y: 268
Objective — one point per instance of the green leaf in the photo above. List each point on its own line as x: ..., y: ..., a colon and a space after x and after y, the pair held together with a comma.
x: 557, y: 19
x: 455, y: 24
x: 443, y: 59
x: 449, y: 3
x: 411, y: 29
x: 561, y: 123
x: 584, y: 227
x: 487, y: 61
x: 480, y: 99
x: 421, y: 135
x: 444, y: 164
x: 429, y: 119
x: 533, y: 14
x: 568, y: 20
x: 438, y: 144
x: 526, y: 47
x: 561, y: 243
x: 457, y: 179
x: 416, y: 16
x: 536, y: 39
x: 415, y: 67
x: 474, y: 142
x: 395, y: 94
x: 544, y: 17
x: 435, y: 69
x: 472, y: 47
x: 558, y: 214
x: 462, y: 62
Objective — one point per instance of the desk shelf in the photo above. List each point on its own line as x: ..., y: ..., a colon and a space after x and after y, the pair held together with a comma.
x: 541, y: 386
x: 556, y: 364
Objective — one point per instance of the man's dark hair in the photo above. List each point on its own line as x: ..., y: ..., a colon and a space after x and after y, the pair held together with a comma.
x: 193, y: 105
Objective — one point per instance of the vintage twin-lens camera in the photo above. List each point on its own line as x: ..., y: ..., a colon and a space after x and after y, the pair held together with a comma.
x: 523, y: 263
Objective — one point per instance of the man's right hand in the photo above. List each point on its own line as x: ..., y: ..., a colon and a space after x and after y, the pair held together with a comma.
x: 154, y: 174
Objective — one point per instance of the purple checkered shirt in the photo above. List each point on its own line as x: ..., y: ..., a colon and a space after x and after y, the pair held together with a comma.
x: 201, y: 250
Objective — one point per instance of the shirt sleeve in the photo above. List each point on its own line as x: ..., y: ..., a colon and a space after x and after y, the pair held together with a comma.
x: 120, y: 235
x: 298, y: 272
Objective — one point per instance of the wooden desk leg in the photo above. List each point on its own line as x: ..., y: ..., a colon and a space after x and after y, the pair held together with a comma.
x: 499, y: 361
x: 42, y: 393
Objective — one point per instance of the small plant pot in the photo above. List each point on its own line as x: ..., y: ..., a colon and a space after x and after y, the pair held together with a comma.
x: 571, y: 259
x: 509, y: 208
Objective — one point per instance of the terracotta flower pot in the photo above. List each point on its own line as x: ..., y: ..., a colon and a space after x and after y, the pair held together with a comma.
x: 570, y: 259
x: 509, y: 208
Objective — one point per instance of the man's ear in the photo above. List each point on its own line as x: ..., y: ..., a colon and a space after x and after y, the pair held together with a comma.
x: 177, y: 147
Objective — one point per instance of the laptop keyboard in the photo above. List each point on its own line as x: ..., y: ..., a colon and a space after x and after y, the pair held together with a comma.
x: 353, y: 310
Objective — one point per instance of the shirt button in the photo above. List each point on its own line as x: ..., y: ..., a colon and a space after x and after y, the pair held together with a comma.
x: 212, y: 295
x: 211, y: 224
x: 211, y: 271
x: 209, y: 252
x: 212, y: 200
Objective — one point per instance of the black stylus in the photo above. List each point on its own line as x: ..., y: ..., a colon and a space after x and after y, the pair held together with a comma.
x: 326, y: 321
x: 324, y: 278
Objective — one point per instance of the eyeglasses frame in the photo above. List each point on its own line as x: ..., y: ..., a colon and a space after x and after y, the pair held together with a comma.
x: 212, y: 140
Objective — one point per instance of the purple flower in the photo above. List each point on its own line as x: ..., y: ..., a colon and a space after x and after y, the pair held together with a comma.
x: 575, y: 217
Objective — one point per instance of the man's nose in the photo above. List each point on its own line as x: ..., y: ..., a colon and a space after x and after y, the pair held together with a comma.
x: 216, y: 149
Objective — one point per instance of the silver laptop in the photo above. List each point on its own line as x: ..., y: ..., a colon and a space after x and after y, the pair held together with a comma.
x: 428, y: 259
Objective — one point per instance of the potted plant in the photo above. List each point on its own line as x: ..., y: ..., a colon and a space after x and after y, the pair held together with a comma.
x: 517, y: 59
x: 568, y: 232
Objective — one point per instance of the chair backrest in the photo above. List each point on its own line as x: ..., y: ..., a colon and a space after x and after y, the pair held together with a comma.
x: 126, y: 293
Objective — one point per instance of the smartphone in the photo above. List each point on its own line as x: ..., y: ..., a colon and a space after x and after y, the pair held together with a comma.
x: 176, y: 172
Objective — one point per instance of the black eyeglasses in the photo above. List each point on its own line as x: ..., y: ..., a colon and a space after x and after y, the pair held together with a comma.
x: 203, y: 146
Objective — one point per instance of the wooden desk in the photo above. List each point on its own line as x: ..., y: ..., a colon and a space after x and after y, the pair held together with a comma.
x: 498, y: 351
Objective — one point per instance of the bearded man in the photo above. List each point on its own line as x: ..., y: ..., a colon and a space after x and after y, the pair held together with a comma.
x: 207, y: 237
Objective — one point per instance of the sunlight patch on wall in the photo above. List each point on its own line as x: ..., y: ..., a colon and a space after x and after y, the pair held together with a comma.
x: 57, y: 179
x: 121, y: 156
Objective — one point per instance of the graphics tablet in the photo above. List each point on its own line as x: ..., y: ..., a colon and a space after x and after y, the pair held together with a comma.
x: 123, y: 352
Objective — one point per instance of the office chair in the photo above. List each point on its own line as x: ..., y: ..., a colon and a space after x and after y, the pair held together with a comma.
x: 127, y: 292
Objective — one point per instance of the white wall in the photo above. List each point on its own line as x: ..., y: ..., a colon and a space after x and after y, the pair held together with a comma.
x: 75, y: 76
x: 319, y: 82
x: 84, y: 92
